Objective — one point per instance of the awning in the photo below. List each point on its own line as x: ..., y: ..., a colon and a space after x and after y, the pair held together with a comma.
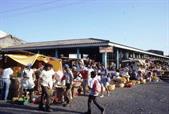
x: 26, y: 60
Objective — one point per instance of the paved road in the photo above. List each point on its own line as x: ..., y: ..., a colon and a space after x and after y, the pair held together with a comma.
x: 151, y: 98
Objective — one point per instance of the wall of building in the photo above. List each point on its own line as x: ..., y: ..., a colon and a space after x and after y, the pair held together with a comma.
x: 9, y: 41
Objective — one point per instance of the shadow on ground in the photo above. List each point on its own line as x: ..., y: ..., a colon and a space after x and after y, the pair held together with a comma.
x: 13, y: 109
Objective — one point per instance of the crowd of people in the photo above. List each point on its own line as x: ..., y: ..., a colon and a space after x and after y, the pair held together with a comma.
x: 94, y: 78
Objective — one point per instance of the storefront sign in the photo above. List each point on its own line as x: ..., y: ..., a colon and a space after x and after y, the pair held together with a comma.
x: 105, y: 49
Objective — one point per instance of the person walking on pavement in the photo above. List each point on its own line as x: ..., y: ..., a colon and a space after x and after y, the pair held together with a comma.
x: 68, y: 77
x: 84, y: 73
x: 104, y: 80
x: 46, y: 85
x: 95, y: 88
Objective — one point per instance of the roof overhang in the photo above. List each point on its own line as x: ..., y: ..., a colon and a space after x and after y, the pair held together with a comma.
x: 55, y: 46
x: 136, y: 50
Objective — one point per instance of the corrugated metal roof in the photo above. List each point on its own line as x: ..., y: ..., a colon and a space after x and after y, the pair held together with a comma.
x: 74, y: 43
x: 61, y: 43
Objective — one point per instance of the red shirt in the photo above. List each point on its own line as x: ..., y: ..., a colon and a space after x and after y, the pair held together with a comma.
x: 84, y: 74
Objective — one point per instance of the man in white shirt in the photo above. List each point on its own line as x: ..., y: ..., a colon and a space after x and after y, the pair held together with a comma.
x: 28, y: 78
x: 46, y: 85
x: 6, y: 75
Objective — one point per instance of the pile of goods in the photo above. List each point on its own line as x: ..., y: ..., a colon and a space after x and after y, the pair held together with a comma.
x: 120, y: 82
x: 21, y: 100
x: 143, y: 81
x: 123, y: 80
x: 111, y: 87
x: 155, y: 79
x: 129, y: 84
x: 137, y: 81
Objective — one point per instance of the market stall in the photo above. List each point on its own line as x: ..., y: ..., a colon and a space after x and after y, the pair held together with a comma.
x: 19, y: 61
x: 26, y: 60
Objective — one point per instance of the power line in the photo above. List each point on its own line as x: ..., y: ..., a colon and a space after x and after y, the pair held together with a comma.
x: 39, y: 8
x: 28, y: 7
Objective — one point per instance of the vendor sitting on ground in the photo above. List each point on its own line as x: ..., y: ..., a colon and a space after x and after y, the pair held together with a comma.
x: 148, y: 76
x: 140, y: 76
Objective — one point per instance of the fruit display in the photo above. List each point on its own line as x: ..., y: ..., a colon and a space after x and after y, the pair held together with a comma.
x: 21, y: 100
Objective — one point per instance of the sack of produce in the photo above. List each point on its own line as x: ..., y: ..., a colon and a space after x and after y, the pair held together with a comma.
x: 155, y: 79
x: 137, y: 82
x: 133, y: 82
x: 129, y: 84
x: 143, y: 81
x: 111, y: 87
x: 50, y: 91
x: 121, y: 85
x: 123, y: 80
x: 112, y: 82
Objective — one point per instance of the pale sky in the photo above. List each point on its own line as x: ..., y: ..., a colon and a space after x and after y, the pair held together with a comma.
x: 142, y: 24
